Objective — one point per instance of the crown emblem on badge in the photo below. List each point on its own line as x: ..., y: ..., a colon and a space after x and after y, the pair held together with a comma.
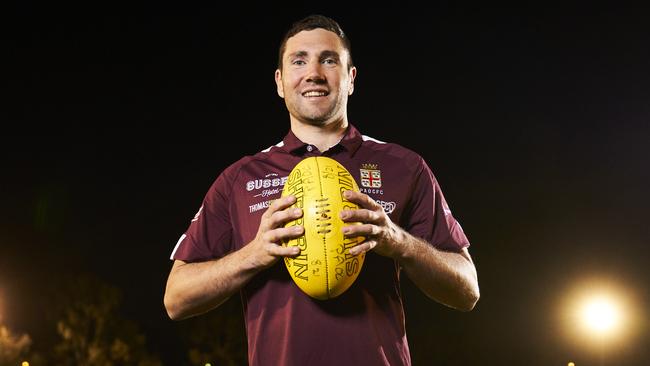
x: 370, y: 166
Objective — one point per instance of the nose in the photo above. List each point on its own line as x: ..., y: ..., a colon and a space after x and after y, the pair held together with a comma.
x: 315, y: 73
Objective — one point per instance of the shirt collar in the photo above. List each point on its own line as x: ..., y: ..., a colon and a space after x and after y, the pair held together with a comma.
x: 350, y: 142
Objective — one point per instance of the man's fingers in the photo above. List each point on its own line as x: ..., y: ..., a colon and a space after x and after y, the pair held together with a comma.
x: 359, y: 215
x: 278, y: 205
x: 281, y: 217
x: 361, y: 230
x: 280, y: 251
x: 369, y: 211
x: 364, y: 247
x: 283, y: 233
x: 361, y: 199
x: 277, y: 214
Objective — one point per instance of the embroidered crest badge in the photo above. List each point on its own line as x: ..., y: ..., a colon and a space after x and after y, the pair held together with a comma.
x: 370, y: 176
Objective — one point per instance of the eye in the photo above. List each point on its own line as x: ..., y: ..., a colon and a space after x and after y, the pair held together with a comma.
x: 330, y: 61
x: 298, y: 62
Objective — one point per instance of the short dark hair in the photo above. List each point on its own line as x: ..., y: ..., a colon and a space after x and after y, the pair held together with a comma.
x: 315, y: 21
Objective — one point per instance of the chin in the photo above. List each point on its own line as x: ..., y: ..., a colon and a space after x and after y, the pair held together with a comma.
x: 315, y: 121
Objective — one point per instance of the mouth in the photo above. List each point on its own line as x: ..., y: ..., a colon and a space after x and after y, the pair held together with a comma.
x: 315, y: 93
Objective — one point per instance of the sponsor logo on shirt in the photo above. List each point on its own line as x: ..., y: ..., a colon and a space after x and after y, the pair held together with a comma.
x: 267, y: 187
x: 388, y: 207
x: 259, y: 206
x: 271, y: 183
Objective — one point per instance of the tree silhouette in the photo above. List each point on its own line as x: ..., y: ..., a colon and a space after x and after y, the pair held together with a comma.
x: 13, y: 347
x: 90, y: 328
x: 217, y: 337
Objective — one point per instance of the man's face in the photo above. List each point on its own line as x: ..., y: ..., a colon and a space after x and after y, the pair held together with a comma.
x: 315, y: 81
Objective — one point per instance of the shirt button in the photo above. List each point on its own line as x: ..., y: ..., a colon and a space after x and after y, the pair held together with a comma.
x: 310, y: 148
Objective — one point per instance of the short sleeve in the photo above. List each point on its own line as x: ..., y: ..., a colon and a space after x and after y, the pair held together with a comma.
x: 209, y: 234
x: 431, y: 218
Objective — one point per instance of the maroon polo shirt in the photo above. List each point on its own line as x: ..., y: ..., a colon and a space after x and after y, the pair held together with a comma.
x: 363, y: 326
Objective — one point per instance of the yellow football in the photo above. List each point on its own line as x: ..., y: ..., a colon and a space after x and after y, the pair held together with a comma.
x: 324, y: 269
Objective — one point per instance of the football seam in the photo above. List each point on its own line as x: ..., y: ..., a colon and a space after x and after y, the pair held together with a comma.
x: 327, y: 272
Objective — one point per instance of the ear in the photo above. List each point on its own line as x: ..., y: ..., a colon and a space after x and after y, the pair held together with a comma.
x: 278, y: 83
x: 352, y: 75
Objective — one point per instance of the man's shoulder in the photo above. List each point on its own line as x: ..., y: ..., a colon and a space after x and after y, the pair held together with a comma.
x: 260, y: 157
x: 390, y: 148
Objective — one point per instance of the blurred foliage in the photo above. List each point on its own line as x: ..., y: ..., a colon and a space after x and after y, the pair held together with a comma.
x: 84, y: 326
x: 91, y: 330
x: 13, y: 347
x: 217, y: 337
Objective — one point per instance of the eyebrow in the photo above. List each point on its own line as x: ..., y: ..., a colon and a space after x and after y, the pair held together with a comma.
x: 323, y: 55
x: 329, y: 54
x: 298, y: 54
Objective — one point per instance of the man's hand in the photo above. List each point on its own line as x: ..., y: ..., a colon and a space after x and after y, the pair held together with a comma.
x: 445, y: 276
x: 382, y: 235
x: 196, y: 287
x: 267, y: 247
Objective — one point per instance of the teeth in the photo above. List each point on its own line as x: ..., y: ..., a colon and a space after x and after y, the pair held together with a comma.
x: 315, y: 94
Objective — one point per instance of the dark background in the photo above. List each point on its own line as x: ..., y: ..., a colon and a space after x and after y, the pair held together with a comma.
x: 535, y: 120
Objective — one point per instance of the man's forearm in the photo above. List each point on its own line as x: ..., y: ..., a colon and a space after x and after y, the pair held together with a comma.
x: 194, y: 288
x: 447, y: 277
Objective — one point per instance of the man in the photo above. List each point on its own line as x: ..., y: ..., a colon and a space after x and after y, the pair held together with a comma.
x: 233, y: 244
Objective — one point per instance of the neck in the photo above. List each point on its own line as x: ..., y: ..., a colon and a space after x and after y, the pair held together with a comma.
x: 323, y: 137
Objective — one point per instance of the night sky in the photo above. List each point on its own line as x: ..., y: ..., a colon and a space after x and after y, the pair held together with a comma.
x: 535, y: 120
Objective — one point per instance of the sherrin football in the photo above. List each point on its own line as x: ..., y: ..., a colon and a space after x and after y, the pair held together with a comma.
x: 324, y: 269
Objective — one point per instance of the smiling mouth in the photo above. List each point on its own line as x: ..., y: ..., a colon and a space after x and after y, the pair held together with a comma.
x: 315, y: 93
